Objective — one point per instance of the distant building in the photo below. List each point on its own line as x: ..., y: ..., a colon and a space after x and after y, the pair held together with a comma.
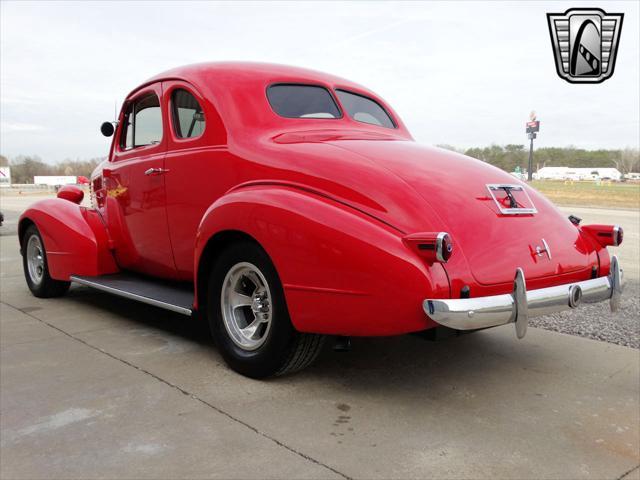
x: 577, y: 174
x: 55, y: 180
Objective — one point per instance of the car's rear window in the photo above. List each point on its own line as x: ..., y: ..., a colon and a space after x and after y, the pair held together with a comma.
x: 302, y: 101
x: 364, y: 109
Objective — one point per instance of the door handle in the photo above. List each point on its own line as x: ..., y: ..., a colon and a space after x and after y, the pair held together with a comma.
x: 156, y: 171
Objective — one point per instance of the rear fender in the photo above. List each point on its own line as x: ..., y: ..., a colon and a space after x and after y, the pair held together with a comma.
x: 75, y: 238
x: 343, y: 272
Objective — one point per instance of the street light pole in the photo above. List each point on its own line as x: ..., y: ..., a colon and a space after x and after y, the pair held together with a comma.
x: 533, y: 127
x: 530, y: 169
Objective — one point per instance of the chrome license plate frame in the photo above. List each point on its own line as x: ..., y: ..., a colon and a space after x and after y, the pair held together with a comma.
x: 495, y: 187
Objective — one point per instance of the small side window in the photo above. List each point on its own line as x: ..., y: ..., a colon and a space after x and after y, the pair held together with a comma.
x: 188, y: 117
x: 142, y: 123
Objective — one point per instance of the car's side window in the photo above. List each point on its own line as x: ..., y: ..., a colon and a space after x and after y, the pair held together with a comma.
x: 364, y: 109
x: 187, y: 114
x: 142, y: 123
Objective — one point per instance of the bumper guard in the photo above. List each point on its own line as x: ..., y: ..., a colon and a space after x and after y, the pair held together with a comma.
x: 518, y: 306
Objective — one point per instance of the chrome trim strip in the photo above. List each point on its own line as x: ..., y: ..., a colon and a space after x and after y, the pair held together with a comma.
x: 519, y: 306
x: 522, y: 303
x: 546, y: 248
x: 132, y: 296
x: 616, y: 230
x: 616, y: 283
x: 439, y: 247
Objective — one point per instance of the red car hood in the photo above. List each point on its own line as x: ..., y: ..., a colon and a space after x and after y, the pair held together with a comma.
x: 455, y: 199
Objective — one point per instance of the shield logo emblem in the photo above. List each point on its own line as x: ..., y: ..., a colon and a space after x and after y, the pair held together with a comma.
x: 585, y: 43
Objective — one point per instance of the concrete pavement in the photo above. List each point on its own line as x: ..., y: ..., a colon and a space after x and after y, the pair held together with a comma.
x: 96, y: 386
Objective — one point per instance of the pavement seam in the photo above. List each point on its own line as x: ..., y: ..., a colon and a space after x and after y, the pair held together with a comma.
x: 189, y: 394
x: 629, y: 472
x: 618, y: 371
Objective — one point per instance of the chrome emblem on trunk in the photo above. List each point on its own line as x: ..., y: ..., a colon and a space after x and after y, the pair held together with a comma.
x: 539, y: 251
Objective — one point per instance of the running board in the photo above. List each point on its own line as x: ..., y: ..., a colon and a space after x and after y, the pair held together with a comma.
x: 159, y: 293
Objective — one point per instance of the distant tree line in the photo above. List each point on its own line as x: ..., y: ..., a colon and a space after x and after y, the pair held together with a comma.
x: 25, y: 167
x: 507, y: 157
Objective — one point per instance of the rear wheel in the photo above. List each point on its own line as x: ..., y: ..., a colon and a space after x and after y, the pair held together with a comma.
x: 249, y: 318
x: 36, y: 270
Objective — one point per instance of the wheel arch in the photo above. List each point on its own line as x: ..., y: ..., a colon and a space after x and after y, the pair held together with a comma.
x: 74, y: 237
x: 23, y: 224
x: 210, y: 253
x: 343, y: 272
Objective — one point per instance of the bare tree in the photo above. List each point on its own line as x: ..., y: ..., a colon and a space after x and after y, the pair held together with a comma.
x: 628, y: 161
x: 24, y: 168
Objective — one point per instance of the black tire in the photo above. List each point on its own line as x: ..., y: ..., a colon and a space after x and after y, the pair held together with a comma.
x: 284, y: 349
x: 47, y: 287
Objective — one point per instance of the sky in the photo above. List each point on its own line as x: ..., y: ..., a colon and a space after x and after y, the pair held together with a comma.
x: 458, y: 73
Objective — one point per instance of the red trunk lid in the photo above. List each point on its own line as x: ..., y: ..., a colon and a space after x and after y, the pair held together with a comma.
x: 458, y: 200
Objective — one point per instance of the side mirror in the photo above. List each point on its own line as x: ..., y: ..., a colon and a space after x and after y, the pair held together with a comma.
x: 71, y: 193
x: 107, y: 129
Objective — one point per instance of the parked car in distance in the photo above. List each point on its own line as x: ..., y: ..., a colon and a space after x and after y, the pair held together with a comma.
x: 285, y: 205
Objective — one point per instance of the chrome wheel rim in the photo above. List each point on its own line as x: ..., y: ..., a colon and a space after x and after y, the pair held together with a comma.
x: 246, y: 306
x: 35, y: 259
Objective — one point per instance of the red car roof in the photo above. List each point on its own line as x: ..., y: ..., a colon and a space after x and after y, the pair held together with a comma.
x: 238, y: 91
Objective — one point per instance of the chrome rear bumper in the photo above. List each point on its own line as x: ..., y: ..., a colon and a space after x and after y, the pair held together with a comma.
x: 518, y: 306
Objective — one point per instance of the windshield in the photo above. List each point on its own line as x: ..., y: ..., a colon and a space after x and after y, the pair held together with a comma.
x: 302, y: 101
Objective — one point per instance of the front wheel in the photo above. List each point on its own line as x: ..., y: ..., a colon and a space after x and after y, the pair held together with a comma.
x: 249, y: 319
x: 36, y: 269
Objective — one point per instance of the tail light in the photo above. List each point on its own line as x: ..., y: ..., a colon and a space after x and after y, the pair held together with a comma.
x: 432, y: 246
x: 605, y: 235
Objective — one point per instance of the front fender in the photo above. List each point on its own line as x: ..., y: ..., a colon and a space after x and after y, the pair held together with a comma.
x: 343, y: 272
x: 75, y: 238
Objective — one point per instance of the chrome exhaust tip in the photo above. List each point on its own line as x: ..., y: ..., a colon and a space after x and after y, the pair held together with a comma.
x: 575, y: 295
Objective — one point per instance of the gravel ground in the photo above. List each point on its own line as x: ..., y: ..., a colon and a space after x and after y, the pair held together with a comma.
x: 597, y: 321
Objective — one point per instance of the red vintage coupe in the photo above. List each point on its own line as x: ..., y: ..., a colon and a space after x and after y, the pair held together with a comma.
x: 284, y: 205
